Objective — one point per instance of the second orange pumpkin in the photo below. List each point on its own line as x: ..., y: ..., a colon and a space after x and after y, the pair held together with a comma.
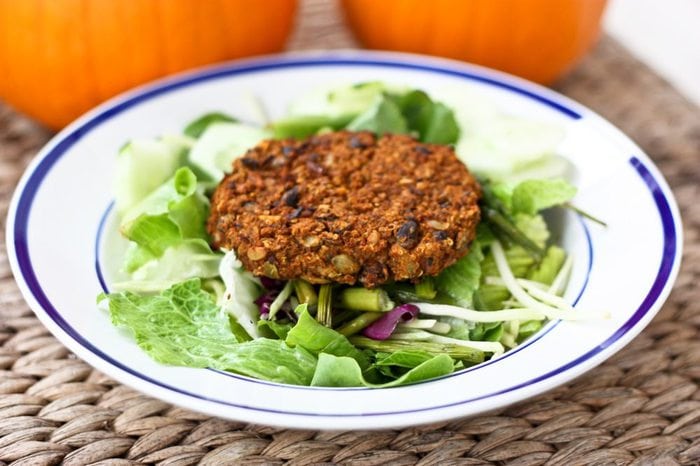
x: 535, y: 39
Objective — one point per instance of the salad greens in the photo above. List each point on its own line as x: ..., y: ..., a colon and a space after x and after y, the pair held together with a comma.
x: 189, y: 305
x: 184, y: 326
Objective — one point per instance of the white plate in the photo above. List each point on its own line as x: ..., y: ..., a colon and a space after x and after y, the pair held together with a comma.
x: 61, y: 209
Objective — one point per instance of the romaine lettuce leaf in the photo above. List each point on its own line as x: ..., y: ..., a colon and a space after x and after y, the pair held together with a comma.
x: 144, y: 164
x: 274, y: 329
x: 461, y: 279
x: 318, y: 339
x: 486, y: 331
x: 221, y: 143
x: 184, y: 259
x: 532, y: 196
x: 384, y: 116
x: 183, y: 326
x: 434, y: 122
x: 371, y: 106
x: 534, y: 227
x: 407, y: 359
x: 442, y: 127
x: 338, y: 101
x: 500, y: 146
x: 301, y: 126
x: 271, y: 360
x: 175, y: 211
x: 180, y: 326
x: 529, y: 328
x: 343, y: 371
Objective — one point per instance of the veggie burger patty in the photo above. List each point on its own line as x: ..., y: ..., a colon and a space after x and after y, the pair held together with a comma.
x: 346, y: 207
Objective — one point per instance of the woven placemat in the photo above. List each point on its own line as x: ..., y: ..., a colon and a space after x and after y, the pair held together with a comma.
x: 641, y: 407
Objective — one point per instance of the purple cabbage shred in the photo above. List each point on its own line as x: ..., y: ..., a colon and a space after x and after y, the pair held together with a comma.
x: 383, y: 328
x: 264, y: 301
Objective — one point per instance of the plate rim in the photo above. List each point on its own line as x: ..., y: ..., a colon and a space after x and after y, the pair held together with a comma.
x: 351, y: 58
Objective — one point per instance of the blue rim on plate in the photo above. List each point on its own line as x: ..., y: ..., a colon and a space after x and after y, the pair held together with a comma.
x: 23, y: 202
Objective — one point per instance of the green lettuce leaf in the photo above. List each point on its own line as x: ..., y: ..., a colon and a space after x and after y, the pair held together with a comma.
x: 183, y: 326
x: 196, y: 128
x: 274, y: 329
x: 529, y: 328
x: 301, y: 126
x: 384, y: 116
x: 396, y: 364
x: 442, y: 127
x: 371, y: 106
x: 151, y: 236
x: 143, y: 165
x: 501, y: 146
x: 221, y: 143
x: 532, y: 196
x: 486, y: 331
x: 417, y: 108
x: 182, y: 260
x: 534, y: 227
x: 317, y: 339
x: 174, y: 212
x: 338, y: 101
x: 343, y: 371
x: 433, y: 121
x: 180, y: 192
x: 462, y: 279
x: 407, y: 359
x: 271, y: 360
x: 490, y: 297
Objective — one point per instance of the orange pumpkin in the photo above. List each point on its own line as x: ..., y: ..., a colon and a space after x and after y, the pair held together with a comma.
x: 59, y: 58
x: 535, y: 39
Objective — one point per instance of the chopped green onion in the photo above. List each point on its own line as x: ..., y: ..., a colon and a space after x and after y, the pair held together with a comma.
x: 420, y: 335
x: 363, y: 299
x: 502, y: 225
x: 359, y: 322
x: 324, y: 313
x: 459, y: 352
x: 425, y: 289
x: 340, y: 317
x: 305, y: 292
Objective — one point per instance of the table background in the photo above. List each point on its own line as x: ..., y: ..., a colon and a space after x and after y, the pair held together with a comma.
x: 641, y: 407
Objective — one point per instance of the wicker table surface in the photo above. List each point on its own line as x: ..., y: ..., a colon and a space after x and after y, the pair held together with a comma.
x: 640, y: 407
